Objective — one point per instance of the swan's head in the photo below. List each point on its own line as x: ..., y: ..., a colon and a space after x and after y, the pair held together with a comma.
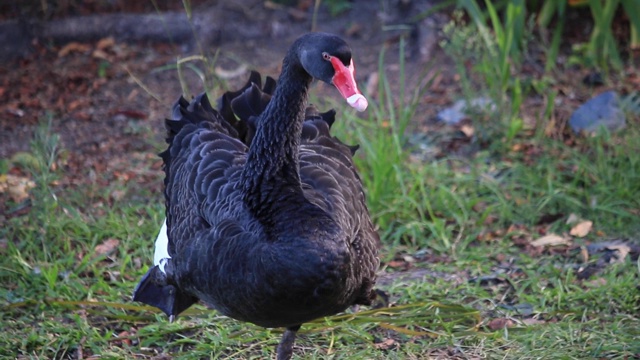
x: 328, y: 58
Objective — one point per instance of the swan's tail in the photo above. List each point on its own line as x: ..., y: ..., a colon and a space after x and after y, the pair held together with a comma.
x: 154, y: 289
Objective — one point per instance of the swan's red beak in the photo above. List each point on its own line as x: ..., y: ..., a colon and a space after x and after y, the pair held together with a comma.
x: 344, y: 80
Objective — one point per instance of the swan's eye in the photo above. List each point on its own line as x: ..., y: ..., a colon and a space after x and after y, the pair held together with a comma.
x: 326, y: 56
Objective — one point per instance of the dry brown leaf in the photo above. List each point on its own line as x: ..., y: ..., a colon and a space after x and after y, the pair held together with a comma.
x: 100, y: 54
x: 622, y: 252
x: 581, y: 229
x: 17, y: 187
x: 500, y: 323
x: 105, y: 43
x: 107, y: 247
x: 385, y: 344
x: 73, y: 105
x: 467, y: 130
x: 394, y: 264
x: 572, y: 219
x: 550, y: 240
x: 230, y: 74
x: 73, y: 47
x: 584, y: 253
x: 532, y: 321
x: 597, y: 283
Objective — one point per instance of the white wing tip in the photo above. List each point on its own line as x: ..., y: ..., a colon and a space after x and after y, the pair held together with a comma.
x: 161, y: 254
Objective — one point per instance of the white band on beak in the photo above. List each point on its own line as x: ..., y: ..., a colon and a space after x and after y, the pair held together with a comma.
x: 358, y: 102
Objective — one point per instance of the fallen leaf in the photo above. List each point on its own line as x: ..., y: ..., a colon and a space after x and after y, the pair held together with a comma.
x: 584, y: 253
x: 105, y: 43
x: 123, y: 337
x: 581, y: 229
x: 107, y: 247
x: 100, y: 54
x: 572, y: 219
x: 395, y: 264
x: 597, y: 283
x: 134, y: 114
x: 230, y: 74
x: 532, y: 321
x: 75, y: 104
x: 467, y: 130
x: 500, y: 323
x: 550, y: 240
x: 73, y: 47
x: 16, y: 187
x: 621, y: 250
x: 385, y: 344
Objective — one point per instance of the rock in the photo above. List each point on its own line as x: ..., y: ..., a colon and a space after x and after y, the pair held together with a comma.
x: 601, y: 111
x: 459, y: 110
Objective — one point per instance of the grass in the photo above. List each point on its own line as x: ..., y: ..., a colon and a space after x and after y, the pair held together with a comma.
x: 457, y: 263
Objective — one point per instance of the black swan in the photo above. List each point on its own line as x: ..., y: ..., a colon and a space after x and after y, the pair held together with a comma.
x: 266, y: 218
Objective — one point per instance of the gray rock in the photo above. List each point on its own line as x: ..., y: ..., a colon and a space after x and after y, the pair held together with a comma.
x: 459, y: 110
x: 601, y: 111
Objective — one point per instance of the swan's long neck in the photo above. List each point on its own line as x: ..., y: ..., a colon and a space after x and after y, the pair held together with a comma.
x: 272, y: 168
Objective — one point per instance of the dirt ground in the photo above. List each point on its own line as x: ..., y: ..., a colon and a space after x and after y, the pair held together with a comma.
x: 104, y: 96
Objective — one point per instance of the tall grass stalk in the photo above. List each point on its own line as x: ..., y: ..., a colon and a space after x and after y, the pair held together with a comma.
x: 383, y: 142
x: 505, y: 44
x: 491, y: 73
x: 602, y: 44
x: 547, y: 12
x: 410, y: 202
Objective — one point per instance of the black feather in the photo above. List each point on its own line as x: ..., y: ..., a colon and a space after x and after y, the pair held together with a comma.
x: 266, y: 216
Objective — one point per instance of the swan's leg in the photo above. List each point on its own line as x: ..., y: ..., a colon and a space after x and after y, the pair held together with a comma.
x: 285, y: 348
